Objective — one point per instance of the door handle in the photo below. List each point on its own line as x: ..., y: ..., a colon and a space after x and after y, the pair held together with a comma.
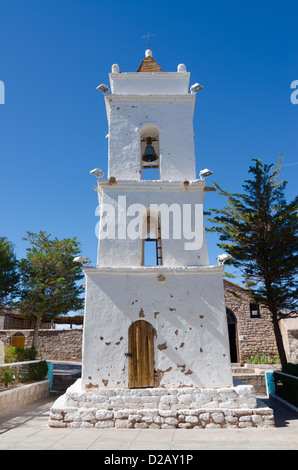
x: 128, y: 354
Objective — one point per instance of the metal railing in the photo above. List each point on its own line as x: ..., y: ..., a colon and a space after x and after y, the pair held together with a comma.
x: 283, y: 386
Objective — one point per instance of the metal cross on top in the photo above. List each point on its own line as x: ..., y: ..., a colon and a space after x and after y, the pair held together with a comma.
x: 148, y: 36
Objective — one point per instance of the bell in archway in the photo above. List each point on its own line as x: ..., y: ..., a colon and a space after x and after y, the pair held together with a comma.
x: 149, y: 155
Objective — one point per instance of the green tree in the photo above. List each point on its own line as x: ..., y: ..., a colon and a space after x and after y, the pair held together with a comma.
x: 259, y: 230
x: 49, y: 279
x: 9, y: 277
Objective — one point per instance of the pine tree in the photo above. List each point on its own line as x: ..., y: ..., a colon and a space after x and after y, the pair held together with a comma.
x: 8, y: 272
x: 259, y: 230
x: 49, y: 279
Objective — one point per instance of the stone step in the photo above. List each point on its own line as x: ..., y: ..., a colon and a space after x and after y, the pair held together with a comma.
x: 240, y: 370
x: 160, y: 408
x: 61, y: 381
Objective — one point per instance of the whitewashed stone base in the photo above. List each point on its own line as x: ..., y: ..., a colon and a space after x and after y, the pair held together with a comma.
x: 159, y: 408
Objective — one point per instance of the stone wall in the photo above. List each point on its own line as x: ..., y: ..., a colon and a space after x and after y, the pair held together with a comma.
x: 160, y: 408
x: 253, y: 334
x: 53, y: 345
x: 258, y: 381
x: 63, y: 345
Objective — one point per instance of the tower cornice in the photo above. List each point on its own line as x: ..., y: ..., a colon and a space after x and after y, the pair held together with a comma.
x: 155, y: 185
x: 153, y: 97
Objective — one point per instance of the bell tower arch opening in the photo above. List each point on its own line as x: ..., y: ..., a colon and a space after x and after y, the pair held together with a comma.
x: 150, y: 168
x: 151, y: 238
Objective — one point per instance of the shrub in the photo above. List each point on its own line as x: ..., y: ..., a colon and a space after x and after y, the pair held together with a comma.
x: 22, y: 373
x: 15, y: 354
x: 10, y: 354
x: 26, y: 354
x: 6, y: 376
x: 261, y: 358
x: 32, y: 372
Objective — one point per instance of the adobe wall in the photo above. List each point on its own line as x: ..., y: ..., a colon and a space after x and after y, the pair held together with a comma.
x: 186, y: 312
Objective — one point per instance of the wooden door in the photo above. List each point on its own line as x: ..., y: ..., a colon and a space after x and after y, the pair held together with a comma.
x: 18, y: 341
x: 141, y: 355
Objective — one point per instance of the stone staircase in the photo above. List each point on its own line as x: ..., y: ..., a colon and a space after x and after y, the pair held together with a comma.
x: 64, y: 375
x: 253, y: 374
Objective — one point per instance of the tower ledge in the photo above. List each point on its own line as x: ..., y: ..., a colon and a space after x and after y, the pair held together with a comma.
x: 216, y: 269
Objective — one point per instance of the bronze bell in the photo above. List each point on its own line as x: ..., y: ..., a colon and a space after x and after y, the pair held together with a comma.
x: 149, y: 155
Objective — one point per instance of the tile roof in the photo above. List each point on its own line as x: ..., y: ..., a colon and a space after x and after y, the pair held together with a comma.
x: 149, y: 65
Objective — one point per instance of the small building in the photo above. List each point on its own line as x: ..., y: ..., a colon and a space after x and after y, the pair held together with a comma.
x: 17, y: 328
x: 14, y: 320
x: 251, y: 330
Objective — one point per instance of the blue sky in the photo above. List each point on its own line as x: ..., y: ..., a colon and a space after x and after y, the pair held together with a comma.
x: 53, y: 55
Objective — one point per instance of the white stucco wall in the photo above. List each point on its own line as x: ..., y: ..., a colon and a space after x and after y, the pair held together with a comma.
x: 160, y: 83
x: 187, y: 310
x: 116, y: 248
x: 172, y: 115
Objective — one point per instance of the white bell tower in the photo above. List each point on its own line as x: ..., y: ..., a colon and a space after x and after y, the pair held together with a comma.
x: 152, y: 263
x: 155, y: 337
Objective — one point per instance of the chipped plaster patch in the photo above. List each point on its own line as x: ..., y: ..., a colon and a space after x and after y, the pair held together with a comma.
x: 141, y: 313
